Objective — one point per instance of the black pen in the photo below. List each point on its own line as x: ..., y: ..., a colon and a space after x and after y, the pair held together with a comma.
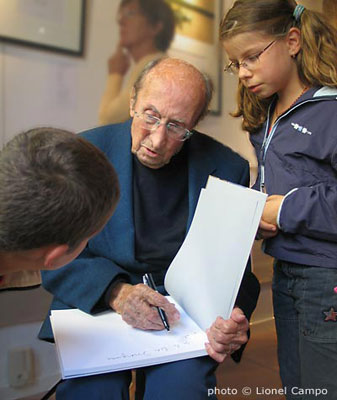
x: 148, y: 280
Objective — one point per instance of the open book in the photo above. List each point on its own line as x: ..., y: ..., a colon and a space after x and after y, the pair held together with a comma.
x: 203, y: 281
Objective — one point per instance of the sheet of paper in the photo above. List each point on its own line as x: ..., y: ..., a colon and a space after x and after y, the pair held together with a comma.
x: 205, y: 276
x: 88, y: 345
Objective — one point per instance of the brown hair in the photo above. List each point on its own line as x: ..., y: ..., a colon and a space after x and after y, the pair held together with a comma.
x: 55, y: 188
x: 316, y: 61
x: 156, y: 11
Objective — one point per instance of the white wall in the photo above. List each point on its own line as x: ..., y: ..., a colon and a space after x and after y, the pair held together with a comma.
x: 45, y: 88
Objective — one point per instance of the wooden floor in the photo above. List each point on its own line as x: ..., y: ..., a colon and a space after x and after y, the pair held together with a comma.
x: 257, y: 371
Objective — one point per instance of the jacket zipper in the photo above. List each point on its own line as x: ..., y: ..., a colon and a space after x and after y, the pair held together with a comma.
x: 267, y: 139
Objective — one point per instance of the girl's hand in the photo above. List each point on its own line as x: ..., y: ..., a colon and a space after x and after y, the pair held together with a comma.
x: 268, y: 224
x: 266, y: 230
x: 271, y: 209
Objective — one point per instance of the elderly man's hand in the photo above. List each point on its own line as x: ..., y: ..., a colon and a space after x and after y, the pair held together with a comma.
x: 227, y: 336
x: 136, y: 304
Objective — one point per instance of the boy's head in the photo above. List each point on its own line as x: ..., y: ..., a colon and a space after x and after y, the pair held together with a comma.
x: 56, y: 191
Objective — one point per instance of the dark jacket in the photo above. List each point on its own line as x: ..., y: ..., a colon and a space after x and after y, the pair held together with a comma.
x: 110, y: 255
x: 299, y: 159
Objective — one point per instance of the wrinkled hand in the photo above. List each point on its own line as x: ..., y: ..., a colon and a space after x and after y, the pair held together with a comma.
x: 119, y: 62
x: 227, y: 336
x: 136, y: 304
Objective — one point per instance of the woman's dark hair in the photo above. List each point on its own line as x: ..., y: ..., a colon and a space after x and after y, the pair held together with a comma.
x: 156, y: 11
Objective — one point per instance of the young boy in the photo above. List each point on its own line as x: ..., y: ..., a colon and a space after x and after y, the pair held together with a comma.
x: 56, y: 191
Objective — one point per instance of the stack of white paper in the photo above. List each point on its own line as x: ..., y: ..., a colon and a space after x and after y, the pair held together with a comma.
x: 204, y: 279
x: 88, y: 345
x: 205, y: 276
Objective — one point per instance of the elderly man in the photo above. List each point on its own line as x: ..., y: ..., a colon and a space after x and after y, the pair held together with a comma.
x: 162, y: 165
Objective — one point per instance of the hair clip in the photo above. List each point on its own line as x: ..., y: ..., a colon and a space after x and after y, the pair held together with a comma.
x: 298, y: 12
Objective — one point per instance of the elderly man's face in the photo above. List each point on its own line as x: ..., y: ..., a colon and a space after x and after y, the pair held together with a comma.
x: 173, y: 102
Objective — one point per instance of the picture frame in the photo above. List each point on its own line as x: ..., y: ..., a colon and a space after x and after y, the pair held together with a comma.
x: 197, y: 40
x: 45, y: 24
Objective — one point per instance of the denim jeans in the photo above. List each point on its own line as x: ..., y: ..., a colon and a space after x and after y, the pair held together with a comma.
x: 307, y: 339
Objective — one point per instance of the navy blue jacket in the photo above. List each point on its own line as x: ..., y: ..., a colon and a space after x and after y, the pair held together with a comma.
x: 111, y: 254
x: 299, y: 159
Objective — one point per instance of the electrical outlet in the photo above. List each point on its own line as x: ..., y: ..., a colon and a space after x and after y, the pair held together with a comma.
x: 20, y: 366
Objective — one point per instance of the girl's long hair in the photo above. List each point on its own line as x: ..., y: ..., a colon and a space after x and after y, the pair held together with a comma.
x: 316, y: 61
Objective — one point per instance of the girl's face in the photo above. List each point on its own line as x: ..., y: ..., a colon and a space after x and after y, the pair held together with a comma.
x: 264, y: 62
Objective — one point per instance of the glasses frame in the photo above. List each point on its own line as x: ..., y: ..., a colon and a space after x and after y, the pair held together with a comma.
x: 233, y: 67
x: 158, y: 122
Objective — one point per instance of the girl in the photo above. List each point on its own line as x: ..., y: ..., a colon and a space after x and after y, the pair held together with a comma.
x: 285, y: 57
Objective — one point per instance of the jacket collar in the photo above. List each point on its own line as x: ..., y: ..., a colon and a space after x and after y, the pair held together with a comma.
x: 325, y: 91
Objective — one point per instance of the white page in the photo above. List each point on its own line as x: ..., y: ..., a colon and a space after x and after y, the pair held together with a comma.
x: 205, y: 276
x: 88, y: 345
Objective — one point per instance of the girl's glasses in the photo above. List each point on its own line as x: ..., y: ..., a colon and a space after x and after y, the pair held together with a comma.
x: 248, y: 63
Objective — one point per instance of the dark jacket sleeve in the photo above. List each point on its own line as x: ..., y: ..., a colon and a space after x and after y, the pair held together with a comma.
x: 248, y: 293
x: 311, y: 211
x: 246, y: 300
x: 81, y: 284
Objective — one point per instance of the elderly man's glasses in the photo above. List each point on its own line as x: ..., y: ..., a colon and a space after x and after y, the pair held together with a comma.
x: 173, y: 130
x: 248, y: 63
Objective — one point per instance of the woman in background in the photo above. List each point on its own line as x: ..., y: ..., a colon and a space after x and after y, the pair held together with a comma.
x: 146, y: 30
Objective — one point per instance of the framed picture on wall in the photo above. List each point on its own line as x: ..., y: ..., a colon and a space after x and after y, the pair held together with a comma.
x: 197, y: 40
x: 56, y: 25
